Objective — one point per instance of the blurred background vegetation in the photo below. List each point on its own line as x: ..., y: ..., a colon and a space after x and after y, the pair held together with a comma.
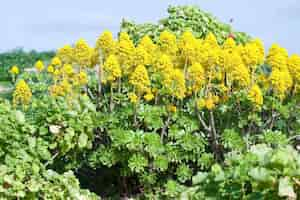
x: 23, y: 59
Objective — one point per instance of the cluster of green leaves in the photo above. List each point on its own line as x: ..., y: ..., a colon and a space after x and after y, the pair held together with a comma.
x: 24, y: 162
x: 262, y: 172
x: 22, y: 59
x: 181, y: 18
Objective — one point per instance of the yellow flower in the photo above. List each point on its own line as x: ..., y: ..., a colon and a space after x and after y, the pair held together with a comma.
x: 148, y: 96
x: 209, y: 103
x: 201, y: 103
x: 139, y: 79
x: 171, y: 108
x: 39, y: 65
x: 133, y: 98
x: 22, y: 94
x: 187, y: 45
x: 196, y: 76
x: 82, y: 78
x: 175, y: 84
x: 277, y: 57
x: 253, y: 54
x: 141, y: 56
x: 56, y: 62
x: 281, y: 81
x: 66, y: 54
x: 229, y: 45
x: 56, y: 90
x: 50, y: 69
x: 106, y: 44
x: 211, y: 54
x: 56, y: 72
x: 168, y: 43
x: 237, y: 71
x: 111, y: 68
x: 147, y: 44
x: 67, y: 69
x: 14, y: 70
x: 294, y: 67
x: 125, y: 53
x: 164, y: 64
x: 255, y: 96
x: 83, y: 53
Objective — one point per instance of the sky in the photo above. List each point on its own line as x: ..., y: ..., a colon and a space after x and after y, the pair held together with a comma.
x: 50, y: 24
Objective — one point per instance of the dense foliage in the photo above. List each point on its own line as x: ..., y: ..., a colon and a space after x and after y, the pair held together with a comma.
x: 21, y: 59
x: 181, y: 18
x: 181, y: 116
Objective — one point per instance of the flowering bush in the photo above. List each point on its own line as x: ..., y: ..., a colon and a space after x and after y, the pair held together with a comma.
x: 180, y: 116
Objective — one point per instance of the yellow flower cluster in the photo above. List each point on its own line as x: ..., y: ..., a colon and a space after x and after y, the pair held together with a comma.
x: 14, y: 70
x: 39, y: 66
x: 209, y: 102
x: 253, y: 54
x: 112, y: 70
x: 175, y: 84
x: 22, y: 94
x: 83, y: 53
x: 196, y: 77
x: 125, y: 53
x: 140, y: 79
x: 294, y: 68
x: 106, y: 44
x: 180, y: 67
x: 280, y: 79
x: 66, y: 54
x: 168, y: 43
x: 255, y: 96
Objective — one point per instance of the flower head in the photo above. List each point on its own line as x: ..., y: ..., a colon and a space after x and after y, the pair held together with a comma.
x: 66, y: 54
x: 14, y: 70
x: 82, y: 53
x: 140, y: 79
x: 255, y: 96
x: 39, y: 65
x: 168, y: 43
x: 196, y: 76
x: 22, y: 94
x: 56, y: 62
x: 106, y: 43
x: 111, y: 68
x: 133, y: 98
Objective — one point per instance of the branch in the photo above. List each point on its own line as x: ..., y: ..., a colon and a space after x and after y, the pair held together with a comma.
x: 163, y: 130
x: 206, y: 127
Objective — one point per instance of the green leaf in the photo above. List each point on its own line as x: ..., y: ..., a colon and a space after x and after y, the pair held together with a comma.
x: 83, y: 140
x: 20, y: 117
x: 199, y: 178
x: 285, y: 188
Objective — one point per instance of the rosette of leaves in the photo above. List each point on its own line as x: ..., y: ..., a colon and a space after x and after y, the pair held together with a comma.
x: 261, y: 172
x: 23, y: 163
x: 67, y: 127
x: 180, y: 19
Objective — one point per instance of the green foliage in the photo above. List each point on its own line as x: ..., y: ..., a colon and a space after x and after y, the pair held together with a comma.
x: 24, y: 158
x: 181, y: 18
x: 261, y: 172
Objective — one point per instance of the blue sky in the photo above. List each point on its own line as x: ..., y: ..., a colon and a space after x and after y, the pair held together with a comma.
x: 49, y: 24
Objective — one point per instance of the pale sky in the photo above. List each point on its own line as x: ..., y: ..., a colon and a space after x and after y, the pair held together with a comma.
x: 49, y: 24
